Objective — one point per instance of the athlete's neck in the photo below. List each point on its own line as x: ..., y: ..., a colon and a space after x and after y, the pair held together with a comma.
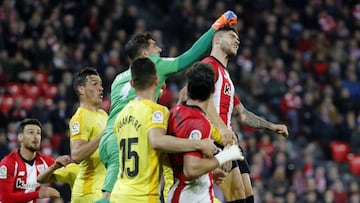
x: 89, y: 106
x: 202, y: 104
x: 220, y: 56
x: 145, y: 94
x: 27, y: 154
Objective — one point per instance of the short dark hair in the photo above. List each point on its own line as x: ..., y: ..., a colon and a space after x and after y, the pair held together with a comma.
x: 28, y: 121
x: 227, y: 28
x: 200, y: 81
x: 143, y: 73
x: 81, y: 77
x: 136, y: 43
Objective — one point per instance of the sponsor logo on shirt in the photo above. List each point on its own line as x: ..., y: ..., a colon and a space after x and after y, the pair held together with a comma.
x: 75, y: 128
x: 21, y: 173
x: 195, y: 135
x: 158, y: 117
x: 26, y: 186
x: 3, y: 172
x: 227, y: 89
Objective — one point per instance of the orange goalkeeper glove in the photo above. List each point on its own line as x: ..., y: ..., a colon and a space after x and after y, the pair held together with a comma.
x: 228, y: 18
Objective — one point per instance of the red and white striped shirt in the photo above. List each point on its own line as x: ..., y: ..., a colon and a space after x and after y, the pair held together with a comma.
x: 189, y: 122
x: 224, y: 97
x: 18, y: 178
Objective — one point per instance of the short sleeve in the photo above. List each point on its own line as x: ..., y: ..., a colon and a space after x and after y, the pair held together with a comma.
x: 159, y: 117
x: 78, y: 128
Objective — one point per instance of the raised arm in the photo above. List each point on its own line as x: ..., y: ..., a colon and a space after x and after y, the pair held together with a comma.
x: 250, y: 119
x: 203, y: 44
x: 197, y: 51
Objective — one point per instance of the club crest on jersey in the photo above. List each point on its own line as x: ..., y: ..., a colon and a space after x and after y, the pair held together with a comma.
x: 75, y: 128
x: 3, y: 172
x: 158, y: 117
x: 195, y: 135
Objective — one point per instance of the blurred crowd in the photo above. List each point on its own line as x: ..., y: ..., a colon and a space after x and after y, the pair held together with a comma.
x: 298, y: 64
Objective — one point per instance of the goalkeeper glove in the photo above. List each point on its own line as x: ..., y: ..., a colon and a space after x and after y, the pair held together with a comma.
x: 229, y: 154
x: 228, y: 18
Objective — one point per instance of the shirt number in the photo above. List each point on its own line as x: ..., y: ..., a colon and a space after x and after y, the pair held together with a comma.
x: 127, y: 155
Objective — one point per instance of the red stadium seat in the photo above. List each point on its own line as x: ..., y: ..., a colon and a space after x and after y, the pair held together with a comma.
x: 6, y: 102
x: 49, y: 102
x: 354, y: 164
x: 15, y: 89
x: 28, y: 103
x: 50, y: 90
x: 32, y: 90
x: 40, y: 77
x: 339, y: 151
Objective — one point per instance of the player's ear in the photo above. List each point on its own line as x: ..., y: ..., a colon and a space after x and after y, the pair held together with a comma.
x: 132, y: 83
x: 80, y: 89
x: 216, y: 39
x: 144, y: 53
x: 156, y: 81
x: 20, y: 137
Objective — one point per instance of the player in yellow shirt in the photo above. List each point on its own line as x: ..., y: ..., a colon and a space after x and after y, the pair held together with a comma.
x: 86, y: 127
x: 140, y: 130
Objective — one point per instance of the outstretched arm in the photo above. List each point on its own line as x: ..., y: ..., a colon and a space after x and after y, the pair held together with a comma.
x: 47, y: 176
x: 195, y: 165
x: 250, y: 119
x: 203, y: 45
x: 198, y: 50
x: 170, y: 144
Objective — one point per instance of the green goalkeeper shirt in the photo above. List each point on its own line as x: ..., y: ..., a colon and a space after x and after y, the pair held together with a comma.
x: 122, y: 93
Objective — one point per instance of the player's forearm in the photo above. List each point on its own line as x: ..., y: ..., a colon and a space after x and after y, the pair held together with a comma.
x: 111, y: 162
x: 47, y: 175
x: 85, y: 150
x: 250, y: 119
x: 171, y: 144
x: 214, y: 117
x: 112, y: 171
x: 18, y: 197
x: 200, y: 166
x: 197, y: 51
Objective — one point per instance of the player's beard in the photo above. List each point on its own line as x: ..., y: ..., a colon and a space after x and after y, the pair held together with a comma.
x: 226, y: 48
x: 33, y: 148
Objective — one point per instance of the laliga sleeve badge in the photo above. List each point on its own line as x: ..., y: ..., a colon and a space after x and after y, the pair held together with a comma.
x: 195, y: 135
x: 158, y: 117
x: 3, y: 172
x: 75, y: 128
